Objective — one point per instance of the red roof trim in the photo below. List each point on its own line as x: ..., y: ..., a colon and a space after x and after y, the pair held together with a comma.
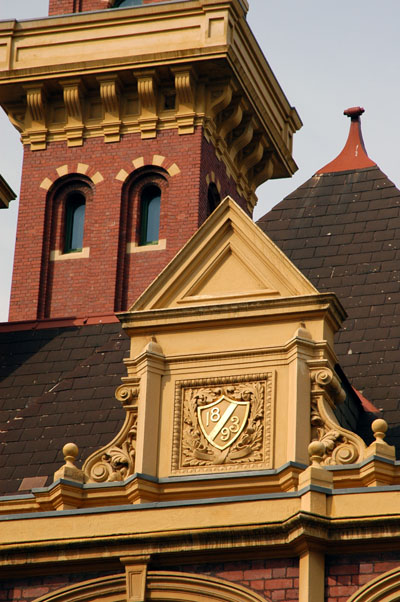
x: 367, y: 405
x: 354, y: 155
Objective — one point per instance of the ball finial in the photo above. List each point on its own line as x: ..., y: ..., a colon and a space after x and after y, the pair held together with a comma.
x: 379, y: 428
x: 316, y: 451
x: 70, y: 452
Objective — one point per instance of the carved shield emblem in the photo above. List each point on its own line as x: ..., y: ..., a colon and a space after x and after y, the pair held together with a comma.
x: 223, y: 420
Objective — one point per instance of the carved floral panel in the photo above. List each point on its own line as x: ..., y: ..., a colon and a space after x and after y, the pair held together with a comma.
x: 223, y: 424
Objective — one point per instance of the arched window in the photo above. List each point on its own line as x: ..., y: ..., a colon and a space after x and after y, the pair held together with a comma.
x: 150, y: 203
x: 213, y: 198
x: 161, y: 585
x: 74, y: 222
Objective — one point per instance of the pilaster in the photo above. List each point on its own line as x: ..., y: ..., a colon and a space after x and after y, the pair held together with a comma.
x: 150, y: 369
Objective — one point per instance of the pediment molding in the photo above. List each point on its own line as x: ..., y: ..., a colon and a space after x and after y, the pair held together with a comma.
x: 229, y: 258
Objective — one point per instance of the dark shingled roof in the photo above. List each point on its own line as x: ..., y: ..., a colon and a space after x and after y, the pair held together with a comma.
x: 56, y: 385
x: 342, y: 230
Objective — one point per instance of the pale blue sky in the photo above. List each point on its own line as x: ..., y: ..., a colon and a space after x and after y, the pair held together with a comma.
x: 327, y: 56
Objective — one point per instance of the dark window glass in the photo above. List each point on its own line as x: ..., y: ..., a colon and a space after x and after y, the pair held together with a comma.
x: 150, y: 215
x: 74, y: 222
x: 213, y: 198
x: 125, y: 3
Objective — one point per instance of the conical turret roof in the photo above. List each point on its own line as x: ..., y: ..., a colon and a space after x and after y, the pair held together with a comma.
x: 341, y: 228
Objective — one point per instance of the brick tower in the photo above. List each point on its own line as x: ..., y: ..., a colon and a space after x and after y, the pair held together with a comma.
x: 136, y: 119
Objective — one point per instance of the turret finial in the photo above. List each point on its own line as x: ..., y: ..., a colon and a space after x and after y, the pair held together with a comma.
x: 353, y: 156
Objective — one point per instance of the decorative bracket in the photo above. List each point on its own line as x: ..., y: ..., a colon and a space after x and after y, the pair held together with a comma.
x: 146, y: 82
x: 185, y: 95
x: 16, y: 114
x: 241, y: 136
x: 219, y: 99
x: 230, y: 118
x: 263, y: 170
x: 109, y: 93
x: 116, y: 461
x: 35, y: 119
x: 252, y: 154
x: 341, y: 445
x: 72, y: 91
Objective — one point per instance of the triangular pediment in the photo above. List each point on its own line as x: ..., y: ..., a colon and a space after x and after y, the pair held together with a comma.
x: 228, y: 259
x: 227, y: 276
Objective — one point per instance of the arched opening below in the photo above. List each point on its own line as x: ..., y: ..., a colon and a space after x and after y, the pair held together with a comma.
x: 161, y: 586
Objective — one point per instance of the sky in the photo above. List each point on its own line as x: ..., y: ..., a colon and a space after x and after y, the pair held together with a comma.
x: 327, y: 56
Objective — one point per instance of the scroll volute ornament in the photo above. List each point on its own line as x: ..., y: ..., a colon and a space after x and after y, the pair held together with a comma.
x: 341, y: 445
x: 116, y: 461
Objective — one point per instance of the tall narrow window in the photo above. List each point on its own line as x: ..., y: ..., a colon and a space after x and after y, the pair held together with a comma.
x: 150, y: 215
x: 74, y: 222
x: 213, y: 198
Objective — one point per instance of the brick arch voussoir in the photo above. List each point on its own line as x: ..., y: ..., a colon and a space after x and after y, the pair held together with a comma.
x: 158, y: 161
x: 65, y: 170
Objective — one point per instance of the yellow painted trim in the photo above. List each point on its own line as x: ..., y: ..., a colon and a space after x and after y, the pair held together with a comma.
x: 149, y: 521
x: 228, y: 233
x: 133, y: 247
x: 136, y: 577
x: 122, y: 175
x: 137, y: 163
x: 97, y: 178
x: 158, y: 160
x: 312, y: 576
x: 173, y: 170
x: 82, y: 168
x: 46, y: 184
x: 58, y: 255
x: 385, y: 588
x: 212, y: 178
x: 160, y: 585
x: 62, y: 170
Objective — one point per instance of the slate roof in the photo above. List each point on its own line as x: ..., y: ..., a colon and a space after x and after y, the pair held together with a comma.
x: 342, y: 230
x: 56, y: 385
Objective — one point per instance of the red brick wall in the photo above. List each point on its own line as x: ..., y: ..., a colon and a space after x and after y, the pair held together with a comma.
x: 84, y: 286
x: 346, y: 574
x: 64, y: 7
x: 275, y: 579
